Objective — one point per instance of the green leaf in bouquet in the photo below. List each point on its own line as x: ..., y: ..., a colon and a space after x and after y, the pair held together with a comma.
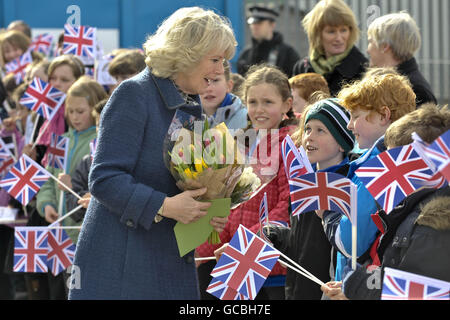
x: 190, y: 236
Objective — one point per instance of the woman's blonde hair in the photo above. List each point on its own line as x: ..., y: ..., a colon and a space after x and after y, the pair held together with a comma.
x: 73, y: 62
x: 378, y: 91
x: 184, y: 38
x: 87, y: 88
x: 329, y: 13
x: 399, y: 31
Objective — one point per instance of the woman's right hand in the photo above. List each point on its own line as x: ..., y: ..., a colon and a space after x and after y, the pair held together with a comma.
x: 84, y: 201
x: 184, y: 208
x: 50, y: 214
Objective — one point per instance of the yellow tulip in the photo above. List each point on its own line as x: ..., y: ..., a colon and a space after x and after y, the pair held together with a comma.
x: 198, y: 166
x: 188, y: 173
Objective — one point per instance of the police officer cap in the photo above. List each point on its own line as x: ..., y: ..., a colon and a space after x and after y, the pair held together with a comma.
x: 259, y: 13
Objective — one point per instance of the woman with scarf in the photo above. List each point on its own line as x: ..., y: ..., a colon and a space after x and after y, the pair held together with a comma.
x: 332, y: 31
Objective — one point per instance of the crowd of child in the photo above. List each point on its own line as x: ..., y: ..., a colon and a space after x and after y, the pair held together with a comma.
x: 76, y: 119
x: 373, y: 111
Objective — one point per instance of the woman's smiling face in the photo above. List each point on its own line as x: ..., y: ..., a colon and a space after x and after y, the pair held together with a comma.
x: 196, y: 81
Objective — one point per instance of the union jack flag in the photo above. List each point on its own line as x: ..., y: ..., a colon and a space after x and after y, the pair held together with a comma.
x: 42, y: 98
x: 6, y: 158
x: 393, y: 175
x: 57, y: 151
x: 245, y: 263
x: 80, y: 41
x: 93, y: 147
x: 323, y: 191
x: 224, y: 292
x: 295, y: 161
x: 9, y: 142
x: 439, y: 153
x: 42, y: 43
x: 61, y: 251
x: 24, y: 179
x: 18, y: 66
x: 30, y: 249
x: 402, y: 285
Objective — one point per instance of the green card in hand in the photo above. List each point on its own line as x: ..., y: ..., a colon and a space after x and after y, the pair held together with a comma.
x: 190, y: 236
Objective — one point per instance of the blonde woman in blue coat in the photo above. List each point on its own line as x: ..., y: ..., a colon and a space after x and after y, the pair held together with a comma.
x: 127, y: 247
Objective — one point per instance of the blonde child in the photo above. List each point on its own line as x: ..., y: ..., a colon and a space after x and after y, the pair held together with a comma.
x: 374, y: 104
x: 220, y: 105
x: 78, y: 181
x: 13, y: 44
x: 63, y: 71
x: 267, y: 94
x: 81, y: 99
x: 303, y: 86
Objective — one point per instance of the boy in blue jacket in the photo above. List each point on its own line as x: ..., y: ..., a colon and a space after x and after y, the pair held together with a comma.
x: 374, y: 103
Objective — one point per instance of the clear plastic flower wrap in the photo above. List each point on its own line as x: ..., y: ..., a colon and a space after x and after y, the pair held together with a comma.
x: 198, y: 156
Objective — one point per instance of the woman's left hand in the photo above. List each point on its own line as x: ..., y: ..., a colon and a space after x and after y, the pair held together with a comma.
x: 219, y: 223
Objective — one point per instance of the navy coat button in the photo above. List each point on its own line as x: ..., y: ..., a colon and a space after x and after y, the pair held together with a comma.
x: 130, y: 223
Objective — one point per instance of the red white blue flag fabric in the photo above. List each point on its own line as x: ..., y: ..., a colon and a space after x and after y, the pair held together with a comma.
x: 245, y: 263
x: 279, y: 223
x: 42, y: 43
x: 394, y: 174
x: 295, y: 161
x: 30, y: 249
x: 92, y: 148
x: 9, y: 142
x: 224, y: 292
x: 18, y: 66
x: 323, y: 191
x: 402, y: 285
x: 42, y: 98
x: 61, y: 251
x: 24, y: 179
x: 438, y: 154
x: 58, y: 151
x: 6, y: 158
x: 80, y: 41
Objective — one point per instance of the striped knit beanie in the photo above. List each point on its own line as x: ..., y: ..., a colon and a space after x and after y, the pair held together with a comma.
x: 336, y: 119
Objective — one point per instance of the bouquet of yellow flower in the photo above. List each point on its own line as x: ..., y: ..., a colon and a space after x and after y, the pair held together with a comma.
x: 211, y: 158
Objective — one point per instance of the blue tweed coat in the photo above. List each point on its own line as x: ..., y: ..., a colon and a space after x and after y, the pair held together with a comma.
x: 121, y: 253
